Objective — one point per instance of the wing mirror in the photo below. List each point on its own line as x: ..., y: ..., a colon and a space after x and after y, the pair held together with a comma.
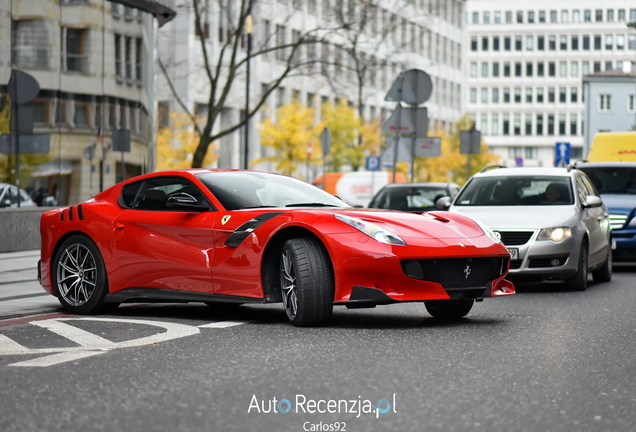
x: 443, y: 203
x: 5, y: 203
x: 185, y: 201
x: 593, y: 201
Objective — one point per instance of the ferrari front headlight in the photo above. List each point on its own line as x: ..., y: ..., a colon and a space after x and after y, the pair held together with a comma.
x: 372, y: 230
x: 555, y: 234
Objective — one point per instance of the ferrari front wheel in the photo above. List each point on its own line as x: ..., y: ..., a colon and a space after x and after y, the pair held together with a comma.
x: 449, y: 309
x: 79, y: 276
x: 306, y: 282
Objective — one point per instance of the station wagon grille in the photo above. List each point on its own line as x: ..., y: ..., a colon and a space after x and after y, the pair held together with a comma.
x: 515, y: 238
x: 457, y: 273
x: 617, y: 221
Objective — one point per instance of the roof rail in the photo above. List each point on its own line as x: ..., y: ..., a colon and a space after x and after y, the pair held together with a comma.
x: 489, y: 167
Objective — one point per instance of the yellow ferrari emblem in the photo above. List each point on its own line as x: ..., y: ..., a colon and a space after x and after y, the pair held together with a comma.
x: 224, y: 219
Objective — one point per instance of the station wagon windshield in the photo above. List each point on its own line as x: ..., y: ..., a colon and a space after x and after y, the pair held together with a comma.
x: 517, y: 191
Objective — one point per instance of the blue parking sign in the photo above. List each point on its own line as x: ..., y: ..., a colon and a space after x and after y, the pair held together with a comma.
x: 373, y: 163
x: 562, y: 151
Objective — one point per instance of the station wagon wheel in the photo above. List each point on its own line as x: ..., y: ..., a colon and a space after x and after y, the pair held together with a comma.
x: 449, y: 309
x: 79, y: 276
x: 578, y: 282
x: 604, y: 274
x: 306, y: 282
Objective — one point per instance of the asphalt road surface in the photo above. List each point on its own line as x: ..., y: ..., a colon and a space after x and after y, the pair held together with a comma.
x: 543, y: 360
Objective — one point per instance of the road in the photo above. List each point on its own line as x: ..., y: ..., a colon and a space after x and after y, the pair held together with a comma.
x: 543, y: 360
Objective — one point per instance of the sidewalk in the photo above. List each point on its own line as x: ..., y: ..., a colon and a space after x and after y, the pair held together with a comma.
x: 20, y: 291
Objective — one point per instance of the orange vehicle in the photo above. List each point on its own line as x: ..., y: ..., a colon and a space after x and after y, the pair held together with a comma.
x: 357, y: 187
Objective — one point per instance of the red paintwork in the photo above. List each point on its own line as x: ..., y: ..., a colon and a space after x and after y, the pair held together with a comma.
x: 186, y: 251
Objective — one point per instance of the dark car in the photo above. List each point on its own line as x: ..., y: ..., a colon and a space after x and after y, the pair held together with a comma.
x: 616, y: 184
x: 412, y: 197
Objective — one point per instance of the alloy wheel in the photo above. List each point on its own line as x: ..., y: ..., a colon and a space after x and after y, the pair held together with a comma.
x: 288, y: 284
x: 76, y: 274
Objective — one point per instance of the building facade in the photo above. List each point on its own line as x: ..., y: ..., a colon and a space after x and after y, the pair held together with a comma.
x: 94, y: 61
x: 524, y: 64
x: 424, y: 34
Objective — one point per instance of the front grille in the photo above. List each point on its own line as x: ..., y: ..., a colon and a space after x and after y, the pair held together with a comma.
x: 622, y: 235
x: 515, y: 238
x: 617, y: 221
x: 457, y: 273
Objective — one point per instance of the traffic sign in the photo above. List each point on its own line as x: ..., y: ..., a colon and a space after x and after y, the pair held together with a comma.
x: 413, y: 87
x: 562, y: 152
x: 428, y: 147
x: 470, y: 141
x: 403, y: 154
x: 31, y: 144
x: 325, y: 141
x: 406, y: 121
x: 121, y: 140
x: 309, y: 149
x: 372, y: 163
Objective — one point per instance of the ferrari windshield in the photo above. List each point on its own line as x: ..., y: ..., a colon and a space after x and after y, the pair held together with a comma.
x: 243, y: 189
x: 516, y: 191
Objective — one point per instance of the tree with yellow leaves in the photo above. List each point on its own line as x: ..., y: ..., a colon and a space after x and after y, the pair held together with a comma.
x: 451, y: 165
x: 295, y: 126
x: 176, y: 144
x: 344, y: 124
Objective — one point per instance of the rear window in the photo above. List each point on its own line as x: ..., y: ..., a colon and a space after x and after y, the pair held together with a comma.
x: 612, y: 180
x: 516, y: 191
x: 408, y: 199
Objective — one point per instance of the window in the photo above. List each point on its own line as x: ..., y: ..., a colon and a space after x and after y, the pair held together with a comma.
x: 540, y: 69
x: 597, y: 42
x: 118, y: 56
x: 587, y: 15
x: 551, y: 95
x: 539, y: 128
x: 574, y: 94
x: 552, y: 43
x: 529, y: 43
x: 565, y: 16
x: 609, y: 42
x: 280, y: 40
x: 484, y: 95
x: 517, y: 69
x: 563, y: 43
x: 75, y: 50
x: 529, y: 69
x: 576, y: 16
x: 139, y: 57
x: 610, y: 15
x: 620, y: 42
x: 497, y: 17
x: 540, y: 94
x: 619, y: 65
x: 486, y: 17
x: 506, y: 124
x: 82, y: 116
x: 630, y: 103
x: 514, y: 152
x: 506, y: 69
x: 573, y: 123
x: 31, y: 48
x: 506, y: 95
x: 574, y: 69
x: 528, y: 130
x: 599, y: 15
x: 473, y: 43
x: 528, y: 94
x: 519, y: 17
x: 531, y: 17
x: 608, y: 65
x: 518, y: 42
x: 550, y: 124
x: 631, y: 42
x: 508, y: 17
x: 551, y: 69
x: 632, y: 15
x: 575, y: 43
x: 484, y: 43
x: 621, y: 15
x: 553, y: 16
x: 484, y: 69
x: 562, y: 127
x: 563, y: 69
x: 494, y: 126
x: 473, y: 95
x: 530, y: 152
x: 507, y: 43
x: 473, y: 69
x: 604, y: 103
x: 597, y: 66
x: 475, y: 17
x: 128, y: 57
x: 563, y: 96
x: 586, y: 43
x: 495, y: 43
x: 540, y: 43
x: 542, y: 16
x: 517, y: 124
x: 495, y: 95
x: 495, y: 69
x: 517, y: 94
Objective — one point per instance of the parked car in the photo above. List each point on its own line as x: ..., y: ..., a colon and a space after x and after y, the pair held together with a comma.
x: 550, y: 219
x: 9, y: 197
x: 412, y: 197
x: 224, y: 236
x: 616, y: 184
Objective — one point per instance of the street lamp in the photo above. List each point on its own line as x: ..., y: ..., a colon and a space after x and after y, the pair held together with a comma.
x: 248, y: 30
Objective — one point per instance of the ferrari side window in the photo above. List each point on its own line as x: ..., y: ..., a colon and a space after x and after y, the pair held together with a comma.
x: 155, y: 192
x: 128, y: 194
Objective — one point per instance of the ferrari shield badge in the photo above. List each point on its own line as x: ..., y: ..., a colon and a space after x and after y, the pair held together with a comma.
x: 224, y: 219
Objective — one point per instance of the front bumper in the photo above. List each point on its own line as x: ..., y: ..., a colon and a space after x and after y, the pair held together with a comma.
x: 624, y: 244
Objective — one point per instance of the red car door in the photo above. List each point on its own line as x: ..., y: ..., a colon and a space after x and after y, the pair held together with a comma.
x: 158, y: 247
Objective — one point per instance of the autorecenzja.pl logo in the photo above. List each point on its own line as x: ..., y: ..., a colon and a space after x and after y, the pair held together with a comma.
x: 303, y: 405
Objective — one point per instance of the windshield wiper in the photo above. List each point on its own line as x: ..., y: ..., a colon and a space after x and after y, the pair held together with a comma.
x: 311, y: 204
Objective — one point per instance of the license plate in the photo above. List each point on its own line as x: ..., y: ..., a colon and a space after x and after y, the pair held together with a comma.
x: 514, y: 253
x: 613, y: 244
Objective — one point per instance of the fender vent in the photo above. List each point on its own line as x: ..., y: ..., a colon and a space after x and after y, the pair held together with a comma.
x: 70, y: 213
x: 80, y: 215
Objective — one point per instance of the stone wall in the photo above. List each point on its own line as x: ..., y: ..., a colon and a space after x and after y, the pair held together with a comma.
x: 20, y: 228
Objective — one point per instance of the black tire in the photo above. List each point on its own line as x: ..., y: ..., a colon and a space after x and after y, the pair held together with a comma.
x: 79, y: 277
x: 449, y: 309
x: 578, y: 282
x: 307, y: 284
x: 604, y: 274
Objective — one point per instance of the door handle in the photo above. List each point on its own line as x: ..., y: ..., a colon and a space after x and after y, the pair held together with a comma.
x: 119, y: 226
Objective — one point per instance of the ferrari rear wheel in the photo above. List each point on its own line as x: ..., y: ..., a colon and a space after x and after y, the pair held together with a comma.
x: 79, y: 277
x: 306, y: 282
x: 449, y: 309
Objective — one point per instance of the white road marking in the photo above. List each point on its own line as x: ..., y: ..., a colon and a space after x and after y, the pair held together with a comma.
x: 224, y: 324
x: 77, y: 335
x: 8, y: 345
x: 57, y: 358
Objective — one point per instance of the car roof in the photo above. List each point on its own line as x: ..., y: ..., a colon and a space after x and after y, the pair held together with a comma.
x: 409, y: 185
x: 615, y: 164
x: 526, y: 171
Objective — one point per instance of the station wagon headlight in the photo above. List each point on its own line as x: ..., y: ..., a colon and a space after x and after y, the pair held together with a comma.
x: 555, y: 234
x: 372, y: 230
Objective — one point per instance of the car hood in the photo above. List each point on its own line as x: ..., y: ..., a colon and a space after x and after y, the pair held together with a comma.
x: 621, y: 202
x: 518, y: 217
